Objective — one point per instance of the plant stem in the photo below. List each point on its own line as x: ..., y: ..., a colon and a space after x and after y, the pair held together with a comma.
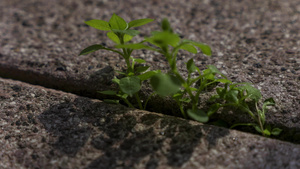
x: 129, y: 68
x: 181, y: 109
x: 145, y: 105
x: 185, y: 84
x: 261, y: 126
x: 138, y: 100
x: 128, y: 103
x: 259, y: 120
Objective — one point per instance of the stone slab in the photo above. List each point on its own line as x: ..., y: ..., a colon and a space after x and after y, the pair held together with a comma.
x: 252, y: 41
x: 46, y: 128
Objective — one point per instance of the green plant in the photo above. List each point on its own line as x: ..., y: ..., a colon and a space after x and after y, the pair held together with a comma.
x: 241, y: 96
x: 120, y: 32
x: 185, y: 91
x: 173, y: 84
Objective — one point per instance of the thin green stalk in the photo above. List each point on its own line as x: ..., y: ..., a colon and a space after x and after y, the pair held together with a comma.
x: 128, y: 103
x: 198, y: 92
x: 186, y: 86
x: 259, y: 121
x: 183, y: 112
x: 181, y: 109
x: 248, y: 111
x: 126, y: 56
x: 145, y: 105
x: 177, y: 74
x: 138, y: 100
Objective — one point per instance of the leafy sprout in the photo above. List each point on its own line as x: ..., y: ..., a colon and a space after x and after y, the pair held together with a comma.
x: 184, y: 90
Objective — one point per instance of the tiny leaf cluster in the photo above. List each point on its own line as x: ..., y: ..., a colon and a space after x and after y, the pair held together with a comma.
x: 185, y: 91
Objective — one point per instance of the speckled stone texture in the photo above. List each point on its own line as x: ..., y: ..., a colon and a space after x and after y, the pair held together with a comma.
x: 44, y: 128
x: 252, y: 41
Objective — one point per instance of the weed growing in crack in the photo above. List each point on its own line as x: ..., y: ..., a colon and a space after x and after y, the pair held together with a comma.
x: 240, y: 96
x: 185, y: 91
x: 120, y: 33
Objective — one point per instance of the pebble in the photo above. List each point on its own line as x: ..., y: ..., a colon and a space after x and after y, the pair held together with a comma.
x: 61, y: 69
x: 289, y: 52
x: 257, y: 65
x: 283, y: 69
x: 224, y: 72
x: 220, y: 54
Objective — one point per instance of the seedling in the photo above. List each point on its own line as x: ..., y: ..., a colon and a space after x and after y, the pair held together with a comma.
x: 173, y: 83
x: 120, y: 32
x: 240, y: 96
x: 185, y: 91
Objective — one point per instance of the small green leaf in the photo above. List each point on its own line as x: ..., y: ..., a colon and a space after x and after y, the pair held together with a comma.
x: 165, y: 84
x: 223, y: 80
x: 141, y: 69
x: 133, y: 46
x: 257, y: 128
x: 110, y: 101
x: 185, y: 100
x: 91, y: 49
x: 209, y: 76
x: 165, y: 25
x: 254, y: 93
x: 98, y: 24
x: 213, y: 109
x: 276, y: 131
x: 108, y: 92
x: 190, y: 65
x: 139, y: 22
x: 177, y: 95
x: 112, y: 36
x: 222, y: 91
x: 232, y: 96
x: 137, y: 60
x: 116, y: 80
x: 193, y: 89
x: 204, y: 48
x: 214, y: 69
x: 163, y: 39
x: 214, y: 98
x: 267, y: 132
x: 207, y: 72
x: 123, y: 95
x: 148, y: 75
x: 117, y: 22
x: 198, y: 115
x: 189, y: 48
x: 127, y: 38
x: 120, y: 72
x: 128, y: 32
x: 130, y: 85
x: 234, y: 85
x: 268, y: 102
x: 268, y: 126
x: 243, y: 107
x: 130, y: 74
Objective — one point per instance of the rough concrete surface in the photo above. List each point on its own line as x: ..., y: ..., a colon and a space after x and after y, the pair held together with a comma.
x: 252, y: 41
